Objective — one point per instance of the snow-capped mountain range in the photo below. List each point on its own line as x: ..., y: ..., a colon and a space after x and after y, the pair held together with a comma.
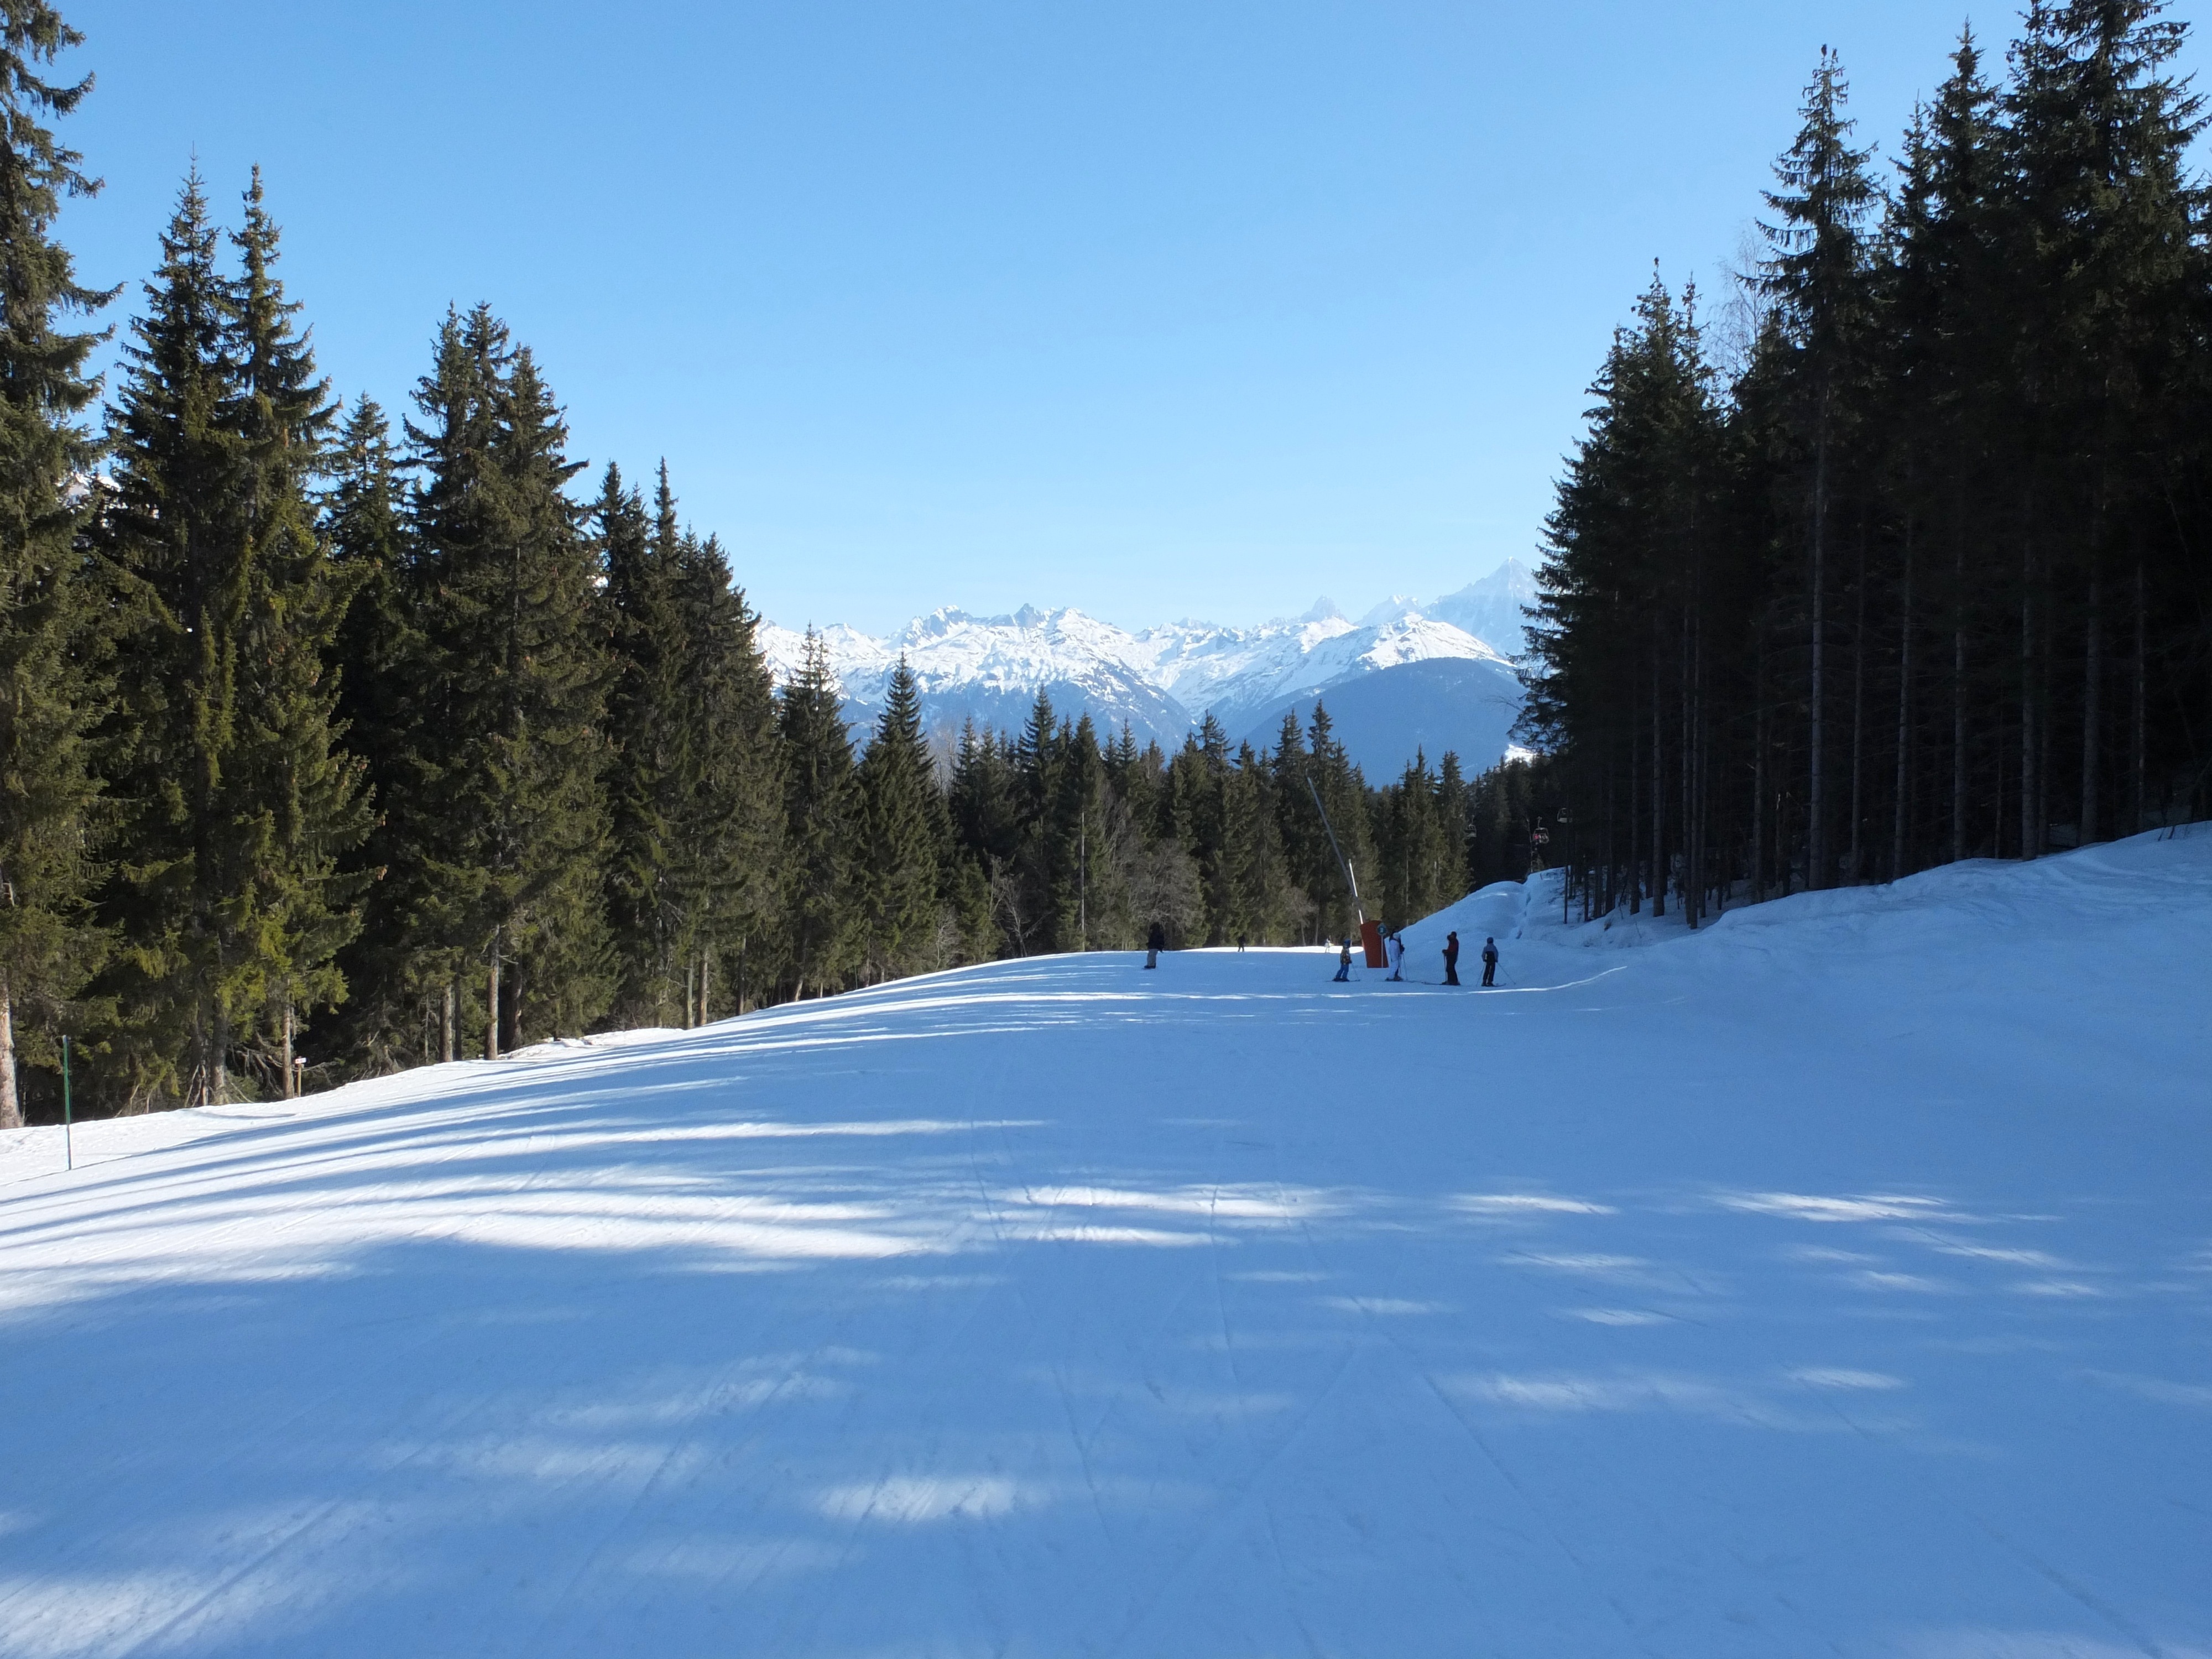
x: 1435, y: 676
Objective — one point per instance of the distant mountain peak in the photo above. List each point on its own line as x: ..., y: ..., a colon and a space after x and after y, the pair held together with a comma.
x: 1322, y: 610
x: 1394, y: 609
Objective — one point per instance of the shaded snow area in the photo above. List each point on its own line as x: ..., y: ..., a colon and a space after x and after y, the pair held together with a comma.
x: 1836, y: 1281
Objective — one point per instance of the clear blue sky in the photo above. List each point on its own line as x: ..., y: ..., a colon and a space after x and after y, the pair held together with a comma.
x: 1156, y: 308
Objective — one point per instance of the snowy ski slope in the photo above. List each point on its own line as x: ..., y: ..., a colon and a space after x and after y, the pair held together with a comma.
x: 1836, y: 1281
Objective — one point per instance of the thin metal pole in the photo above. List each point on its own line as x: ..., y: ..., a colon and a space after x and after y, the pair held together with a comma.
x: 68, y: 1120
x: 1343, y: 863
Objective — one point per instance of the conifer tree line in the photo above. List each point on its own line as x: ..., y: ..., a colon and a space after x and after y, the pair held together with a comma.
x: 332, y: 743
x: 1927, y: 573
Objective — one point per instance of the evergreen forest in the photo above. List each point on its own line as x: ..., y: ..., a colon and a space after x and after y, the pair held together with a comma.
x: 1913, y: 564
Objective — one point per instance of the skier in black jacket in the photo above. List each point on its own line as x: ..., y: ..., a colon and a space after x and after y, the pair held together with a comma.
x: 1155, y: 942
x: 1489, y: 962
x: 1452, y: 958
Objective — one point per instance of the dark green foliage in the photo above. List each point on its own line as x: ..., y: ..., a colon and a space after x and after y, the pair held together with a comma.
x: 515, y: 671
x: 1627, y: 597
x: 1925, y: 582
x: 728, y: 818
x: 1318, y: 790
x: 822, y: 924
x: 50, y: 676
x: 650, y: 771
x: 1507, y: 808
x: 1420, y: 842
x: 380, y: 646
x: 905, y: 834
x: 1263, y: 904
x: 987, y: 819
x: 236, y: 805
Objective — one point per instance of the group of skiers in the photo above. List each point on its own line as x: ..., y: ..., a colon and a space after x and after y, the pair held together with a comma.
x: 1394, y: 953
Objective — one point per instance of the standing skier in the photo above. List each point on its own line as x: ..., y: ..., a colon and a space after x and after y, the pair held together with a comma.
x: 1155, y: 942
x: 1344, y: 961
x: 1489, y: 962
x: 1394, y: 950
x: 1452, y: 958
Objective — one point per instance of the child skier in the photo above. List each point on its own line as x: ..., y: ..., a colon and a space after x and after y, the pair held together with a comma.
x: 1344, y: 961
x: 1489, y: 962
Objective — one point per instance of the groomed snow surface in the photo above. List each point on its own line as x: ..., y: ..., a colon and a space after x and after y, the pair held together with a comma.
x: 1836, y: 1281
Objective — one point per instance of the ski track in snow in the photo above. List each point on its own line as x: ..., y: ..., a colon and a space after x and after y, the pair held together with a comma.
x: 1836, y: 1280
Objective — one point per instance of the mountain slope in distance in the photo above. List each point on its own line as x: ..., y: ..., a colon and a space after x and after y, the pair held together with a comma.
x: 1163, y: 681
x: 1460, y: 706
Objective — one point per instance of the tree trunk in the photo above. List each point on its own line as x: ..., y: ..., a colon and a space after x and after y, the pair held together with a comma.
x: 1759, y: 797
x: 1903, y: 714
x: 1959, y: 706
x: 2027, y: 836
x: 291, y: 1072
x: 2043, y: 726
x: 11, y: 1106
x: 1683, y: 759
x: 1635, y: 815
x: 1855, y: 860
x: 1658, y: 798
x: 1998, y: 792
x: 491, y: 1003
x: 451, y: 1017
x: 2136, y: 759
x: 706, y: 980
x: 1816, y: 797
x: 2092, y: 711
x: 1699, y: 862
x: 510, y: 1009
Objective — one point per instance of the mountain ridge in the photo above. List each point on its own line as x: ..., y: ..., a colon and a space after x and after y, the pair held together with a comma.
x: 1163, y: 681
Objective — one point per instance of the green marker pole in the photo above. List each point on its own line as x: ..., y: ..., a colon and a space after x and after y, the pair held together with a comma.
x: 68, y: 1126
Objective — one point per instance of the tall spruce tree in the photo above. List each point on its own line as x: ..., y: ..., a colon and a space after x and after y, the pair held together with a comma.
x: 1627, y: 630
x: 650, y: 728
x: 821, y: 824
x: 987, y: 830
x: 903, y: 835
x: 1344, y: 799
x: 516, y: 671
x: 1197, y: 780
x: 729, y: 819
x: 1046, y: 851
x: 1263, y: 903
x: 309, y: 800
x: 1943, y: 408
x: 1817, y: 277
x: 239, y: 806
x: 50, y: 680
x: 390, y: 1014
